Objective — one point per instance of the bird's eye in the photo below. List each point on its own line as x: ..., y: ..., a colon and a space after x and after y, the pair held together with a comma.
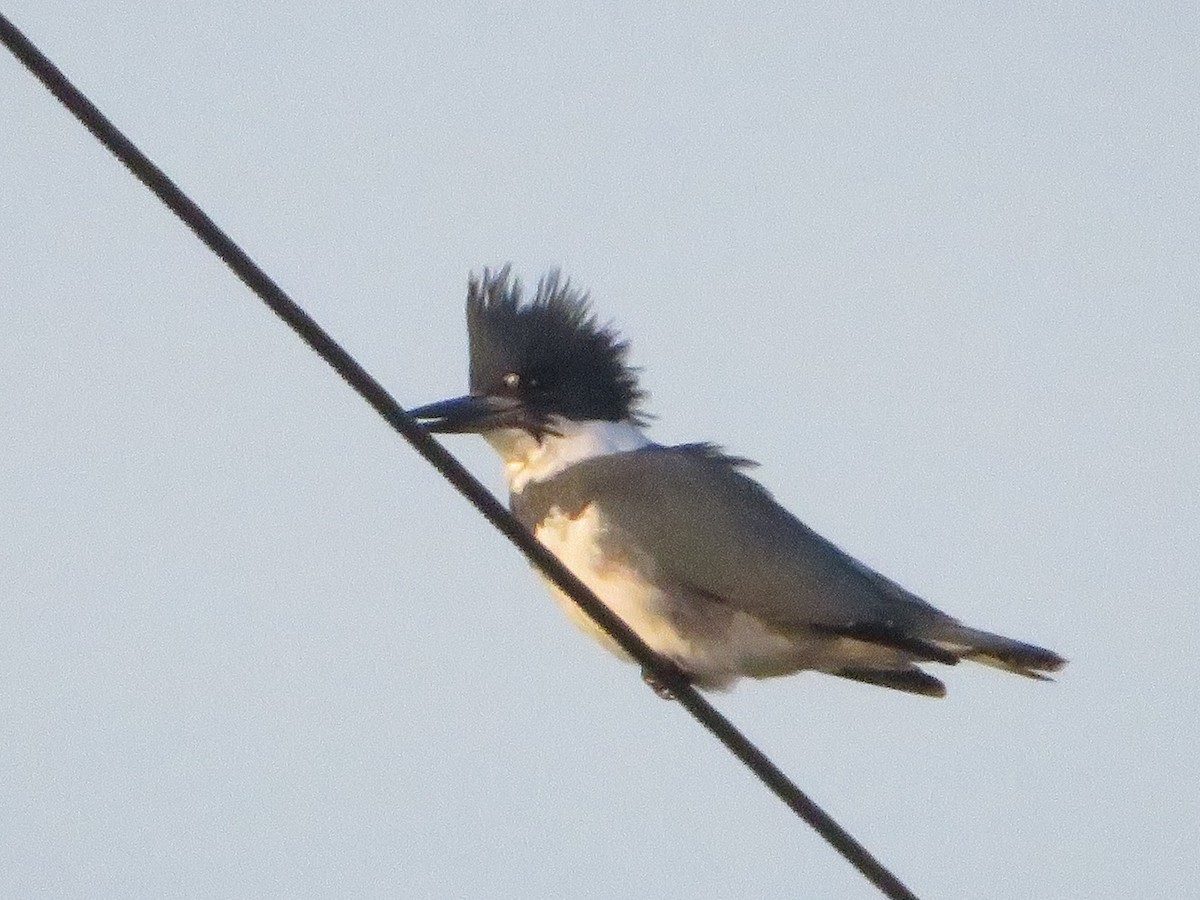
x: 512, y: 381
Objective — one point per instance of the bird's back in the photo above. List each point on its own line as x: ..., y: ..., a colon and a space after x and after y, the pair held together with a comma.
x: 698, y: 520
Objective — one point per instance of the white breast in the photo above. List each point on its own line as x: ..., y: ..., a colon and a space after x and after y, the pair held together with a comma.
x: 638, y: 602
x: 713, y: 642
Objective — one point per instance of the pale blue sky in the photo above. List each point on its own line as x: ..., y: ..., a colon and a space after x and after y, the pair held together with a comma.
x: 935, y: 268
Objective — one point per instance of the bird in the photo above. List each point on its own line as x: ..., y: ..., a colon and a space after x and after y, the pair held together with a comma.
x: 693, y: 554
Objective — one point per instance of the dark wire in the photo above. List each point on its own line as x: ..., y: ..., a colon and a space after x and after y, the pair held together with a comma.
x: 663, y: 672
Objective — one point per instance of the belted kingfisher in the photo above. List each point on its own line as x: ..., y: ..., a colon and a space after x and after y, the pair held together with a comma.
x: 693, y: 554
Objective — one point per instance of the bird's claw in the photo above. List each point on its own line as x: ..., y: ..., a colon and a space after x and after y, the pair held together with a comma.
x: 659, y: 687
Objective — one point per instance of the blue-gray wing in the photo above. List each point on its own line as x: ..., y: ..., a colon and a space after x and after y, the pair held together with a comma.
x: 689, y: 516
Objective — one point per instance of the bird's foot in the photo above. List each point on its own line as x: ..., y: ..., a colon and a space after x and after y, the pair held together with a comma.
x: 657, y: 685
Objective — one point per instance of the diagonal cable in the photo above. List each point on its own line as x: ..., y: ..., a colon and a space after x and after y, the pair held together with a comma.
x: 663, y: 672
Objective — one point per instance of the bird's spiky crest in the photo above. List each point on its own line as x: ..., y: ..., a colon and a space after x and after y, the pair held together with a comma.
x: 563, y: 356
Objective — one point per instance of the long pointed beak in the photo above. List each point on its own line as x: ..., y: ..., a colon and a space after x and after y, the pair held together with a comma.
x: 471, y: 414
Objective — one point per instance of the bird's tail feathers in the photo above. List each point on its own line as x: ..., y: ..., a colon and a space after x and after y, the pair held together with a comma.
x: 1001, y: 652
x: 911, y: 679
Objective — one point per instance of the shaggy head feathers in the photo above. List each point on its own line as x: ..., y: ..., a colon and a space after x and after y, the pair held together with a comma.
x: 549, y: 352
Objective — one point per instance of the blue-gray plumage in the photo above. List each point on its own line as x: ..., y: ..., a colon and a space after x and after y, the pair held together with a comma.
x: 692, y: 553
